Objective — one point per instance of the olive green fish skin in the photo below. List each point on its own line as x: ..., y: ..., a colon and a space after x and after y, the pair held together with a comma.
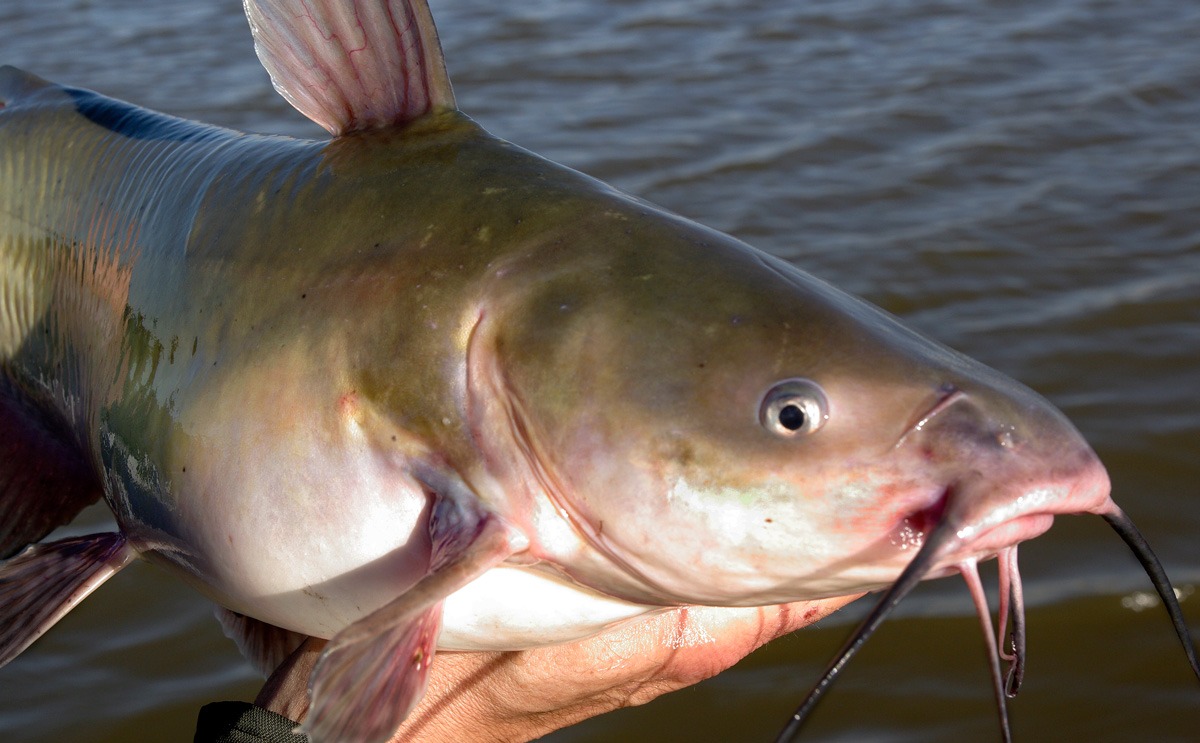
x: 260, y: 340
x: 158, y: 268
x: 163, y: 268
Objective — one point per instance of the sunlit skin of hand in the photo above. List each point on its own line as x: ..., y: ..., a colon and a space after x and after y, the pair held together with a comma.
x: 518, y: 696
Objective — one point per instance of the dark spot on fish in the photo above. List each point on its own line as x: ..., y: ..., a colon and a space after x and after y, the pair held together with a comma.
x: 185, y: 469
x: 137, y: 123
x: 701, y: 365
x: 393, y: 437
x: 195, y: 341
x: 304, y: 296
x: 769, y: 521
x: 682, y: 452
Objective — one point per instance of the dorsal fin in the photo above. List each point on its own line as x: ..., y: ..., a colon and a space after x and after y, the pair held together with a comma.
x: 351, y: 65
x: 15, y: 83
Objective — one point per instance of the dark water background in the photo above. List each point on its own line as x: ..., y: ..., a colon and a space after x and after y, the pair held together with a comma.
x: 1017, y: 179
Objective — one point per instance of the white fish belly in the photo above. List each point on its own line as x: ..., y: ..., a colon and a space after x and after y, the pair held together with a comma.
x: 512, y: 608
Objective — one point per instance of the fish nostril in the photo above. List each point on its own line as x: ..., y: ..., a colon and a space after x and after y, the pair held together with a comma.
x: 948, y: 395
x: 956, y: 416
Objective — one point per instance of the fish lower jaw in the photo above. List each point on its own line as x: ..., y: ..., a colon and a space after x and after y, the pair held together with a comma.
x: 987, y: 542
x: 972, y: 541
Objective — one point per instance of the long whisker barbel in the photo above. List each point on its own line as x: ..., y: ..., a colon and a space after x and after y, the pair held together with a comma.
x: 941, y: 541
x: 1122, y: 525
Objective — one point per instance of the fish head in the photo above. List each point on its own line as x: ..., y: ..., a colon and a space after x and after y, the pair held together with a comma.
x: 723, y: 428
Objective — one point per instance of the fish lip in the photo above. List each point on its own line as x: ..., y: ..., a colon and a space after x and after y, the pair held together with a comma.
x: 1009, y: 533
x: 914, y: 529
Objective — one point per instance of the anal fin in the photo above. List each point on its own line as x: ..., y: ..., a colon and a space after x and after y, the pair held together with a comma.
x: 44, y: 582
x: 264, y: 645
x: 374, y: 671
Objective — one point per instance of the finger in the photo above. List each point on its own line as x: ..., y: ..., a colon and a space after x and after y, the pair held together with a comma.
x: 286, y: 691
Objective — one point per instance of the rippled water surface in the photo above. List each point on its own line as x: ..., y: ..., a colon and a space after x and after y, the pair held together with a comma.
x: 1017, y: 179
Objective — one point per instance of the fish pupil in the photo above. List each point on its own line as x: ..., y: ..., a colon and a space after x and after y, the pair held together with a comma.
x: 791, y: 417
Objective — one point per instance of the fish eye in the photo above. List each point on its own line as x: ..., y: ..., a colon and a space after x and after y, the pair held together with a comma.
x: 794, y: 407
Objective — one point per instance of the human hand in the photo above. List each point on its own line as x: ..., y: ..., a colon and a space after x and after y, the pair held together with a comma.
x: 518, y: 696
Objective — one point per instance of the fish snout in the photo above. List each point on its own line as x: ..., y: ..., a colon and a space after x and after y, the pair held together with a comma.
x: 1008, y: 465
x: 963, y: 420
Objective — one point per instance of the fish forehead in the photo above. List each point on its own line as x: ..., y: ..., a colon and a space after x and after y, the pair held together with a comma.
x: 672, y: 319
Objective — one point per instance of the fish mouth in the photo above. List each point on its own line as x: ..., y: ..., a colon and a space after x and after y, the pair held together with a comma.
x: 981, y: 543
x: 942, y: 552
x: 1009, y: 534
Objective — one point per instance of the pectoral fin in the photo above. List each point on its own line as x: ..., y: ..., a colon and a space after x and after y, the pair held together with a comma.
x: 374, y: 672
x: 45, y: 581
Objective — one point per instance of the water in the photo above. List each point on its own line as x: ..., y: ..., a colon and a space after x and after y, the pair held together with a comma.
x: 1017, y: 179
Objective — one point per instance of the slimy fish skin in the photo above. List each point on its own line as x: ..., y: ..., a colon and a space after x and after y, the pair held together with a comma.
x: 414, y: 389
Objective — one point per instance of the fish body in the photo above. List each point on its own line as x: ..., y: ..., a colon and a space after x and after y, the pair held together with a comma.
x: 381, y: 322
x: 417, y: 388
x: 185, y: 280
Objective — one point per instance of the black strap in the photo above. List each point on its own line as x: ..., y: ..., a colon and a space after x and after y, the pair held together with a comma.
x: 242, y: 722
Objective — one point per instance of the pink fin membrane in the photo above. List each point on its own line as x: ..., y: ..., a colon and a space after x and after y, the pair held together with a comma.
x: 364, y: 687
x: 374, y: 671
x: 264, y: 645
x: 352, y: 65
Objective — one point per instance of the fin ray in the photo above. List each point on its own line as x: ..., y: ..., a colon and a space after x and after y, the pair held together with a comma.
x: 265, y: 645
x: 45, y: 581
x: 374, y: 672
x: 352, y: 65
